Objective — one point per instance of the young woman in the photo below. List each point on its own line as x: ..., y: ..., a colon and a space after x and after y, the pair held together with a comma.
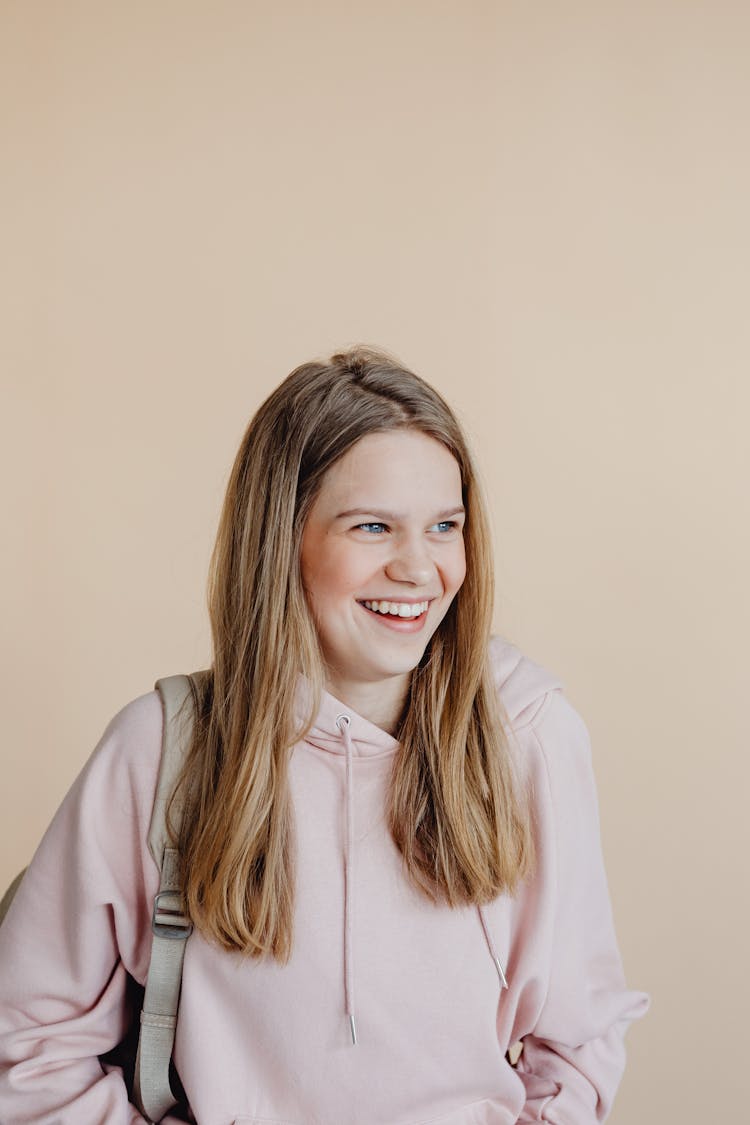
x: 390, y: 847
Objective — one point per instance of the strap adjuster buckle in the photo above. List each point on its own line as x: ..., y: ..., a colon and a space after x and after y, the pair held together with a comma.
x: 168, y: 919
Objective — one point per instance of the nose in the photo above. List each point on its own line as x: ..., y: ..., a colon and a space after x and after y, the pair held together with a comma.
x: 411, y: 563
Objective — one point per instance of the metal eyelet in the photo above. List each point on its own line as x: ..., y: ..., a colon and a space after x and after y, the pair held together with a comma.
x: 343, y: 718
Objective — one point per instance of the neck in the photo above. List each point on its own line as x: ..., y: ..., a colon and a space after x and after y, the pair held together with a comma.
x: 380, y: 703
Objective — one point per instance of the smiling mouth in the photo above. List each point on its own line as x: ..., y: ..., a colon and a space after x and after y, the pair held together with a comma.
x: 401, y: 611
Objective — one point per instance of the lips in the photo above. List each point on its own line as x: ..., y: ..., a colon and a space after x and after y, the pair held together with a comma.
x: 396, y: 623
x: 406, y: 610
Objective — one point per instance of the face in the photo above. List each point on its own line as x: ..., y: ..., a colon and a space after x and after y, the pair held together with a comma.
x: 383, y: 541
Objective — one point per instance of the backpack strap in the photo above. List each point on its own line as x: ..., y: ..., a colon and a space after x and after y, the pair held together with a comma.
x: 171, y: 927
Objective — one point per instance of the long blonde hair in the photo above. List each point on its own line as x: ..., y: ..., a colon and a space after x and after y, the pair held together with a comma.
x: 456, y: 809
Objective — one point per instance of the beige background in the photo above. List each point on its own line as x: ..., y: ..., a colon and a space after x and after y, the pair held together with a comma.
x: 541, y: 207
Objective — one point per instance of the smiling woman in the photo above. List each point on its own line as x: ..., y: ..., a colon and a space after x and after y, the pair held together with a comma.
x: 386, y: 821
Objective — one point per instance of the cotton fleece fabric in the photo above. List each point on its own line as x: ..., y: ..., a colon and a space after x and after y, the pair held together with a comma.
x: 258, y: 1042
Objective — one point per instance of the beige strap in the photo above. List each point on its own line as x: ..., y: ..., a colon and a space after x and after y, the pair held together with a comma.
x: 178, y: 704
x: 171, y: 927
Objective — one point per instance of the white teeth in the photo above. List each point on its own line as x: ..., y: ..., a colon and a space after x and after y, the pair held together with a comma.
x: 398, y: 609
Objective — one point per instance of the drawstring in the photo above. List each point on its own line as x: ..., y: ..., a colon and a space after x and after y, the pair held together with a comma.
x: 493, y: 954
x: 343, y: 722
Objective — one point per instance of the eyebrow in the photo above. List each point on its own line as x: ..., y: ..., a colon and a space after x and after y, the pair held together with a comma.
x: 394, y: 517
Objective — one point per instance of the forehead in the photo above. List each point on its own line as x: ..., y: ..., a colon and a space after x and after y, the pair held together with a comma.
x: 393, y: 465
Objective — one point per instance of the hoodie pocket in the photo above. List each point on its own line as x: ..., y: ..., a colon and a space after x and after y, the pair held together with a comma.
x: 488, y: 1111
x: 260, y: 1121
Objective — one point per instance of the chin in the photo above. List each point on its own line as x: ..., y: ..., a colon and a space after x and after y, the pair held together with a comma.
x: 404, y: 666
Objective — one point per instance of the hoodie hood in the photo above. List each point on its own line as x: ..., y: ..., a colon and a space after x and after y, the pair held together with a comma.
x: 522, y: 686
x: 368, y: 740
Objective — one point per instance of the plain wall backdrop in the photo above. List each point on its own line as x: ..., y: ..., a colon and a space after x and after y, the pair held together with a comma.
x: 543, y: 209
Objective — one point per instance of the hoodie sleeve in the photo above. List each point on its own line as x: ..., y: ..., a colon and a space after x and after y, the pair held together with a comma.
x: 78, y: 925
x: 573, y: 1060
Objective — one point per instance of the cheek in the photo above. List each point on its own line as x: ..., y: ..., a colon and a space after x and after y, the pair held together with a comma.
x: 327, y: 572
x: 315, y: 558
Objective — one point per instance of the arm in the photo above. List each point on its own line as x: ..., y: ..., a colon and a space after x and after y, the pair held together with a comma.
x: 573, y: 1060
x: 77, y: 926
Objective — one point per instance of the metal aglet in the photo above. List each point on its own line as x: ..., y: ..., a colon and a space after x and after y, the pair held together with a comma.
x: 353, y: 1030
x: 500, y: 972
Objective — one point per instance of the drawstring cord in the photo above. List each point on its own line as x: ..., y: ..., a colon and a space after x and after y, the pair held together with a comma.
x: 343, y: 722
x: 490, y: 944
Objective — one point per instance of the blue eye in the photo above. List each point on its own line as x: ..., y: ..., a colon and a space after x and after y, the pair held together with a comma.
x: 448, y: 525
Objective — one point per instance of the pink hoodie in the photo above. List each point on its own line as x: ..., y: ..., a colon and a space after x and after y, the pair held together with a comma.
x: 262, y: 1044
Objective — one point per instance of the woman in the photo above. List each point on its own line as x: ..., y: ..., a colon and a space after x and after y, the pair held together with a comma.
x: 389, y: 842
